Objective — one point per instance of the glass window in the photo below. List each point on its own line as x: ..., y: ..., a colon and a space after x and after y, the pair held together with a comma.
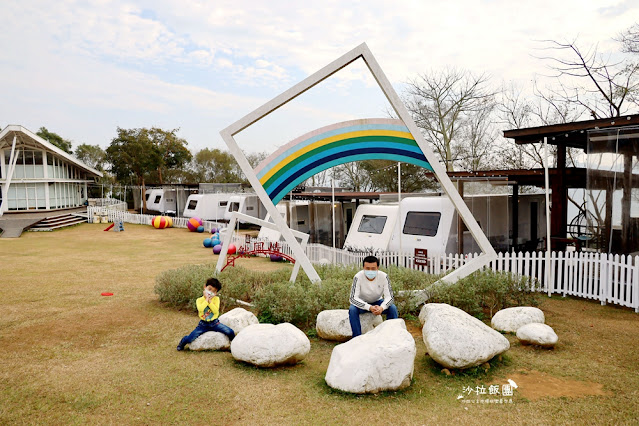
x: 234, y: 207
x: 372, y: 224
x: 192, y: 205
x: 157, y: 199
x: 223, y: 203
x: 422, y: 223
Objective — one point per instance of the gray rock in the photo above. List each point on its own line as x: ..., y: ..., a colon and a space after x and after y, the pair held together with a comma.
x: 268, y: 345
x: 456, y: 339
x: 238, y: 319
x: 537, y: 334
x: 382, y: 359
x: 510, y: 319
x: 210, y: 341
x: 334, y: 324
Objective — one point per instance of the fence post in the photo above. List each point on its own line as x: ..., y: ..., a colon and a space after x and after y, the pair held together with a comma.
x: 635, y: 285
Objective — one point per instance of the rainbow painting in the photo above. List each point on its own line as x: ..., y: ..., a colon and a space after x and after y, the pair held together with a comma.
x: 321, y: 149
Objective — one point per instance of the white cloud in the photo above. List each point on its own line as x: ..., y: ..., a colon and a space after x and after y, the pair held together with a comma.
x: 178, y: 62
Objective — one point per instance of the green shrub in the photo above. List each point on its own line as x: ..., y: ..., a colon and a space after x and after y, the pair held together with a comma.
x: 485, y: 292
x: 276, y: 300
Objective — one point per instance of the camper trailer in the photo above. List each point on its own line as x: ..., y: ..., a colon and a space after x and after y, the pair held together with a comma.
x: 310, y: 217
x: 207, y: 206
x: 248, y: 204
x: 161, y: 200
x: 431, y: 223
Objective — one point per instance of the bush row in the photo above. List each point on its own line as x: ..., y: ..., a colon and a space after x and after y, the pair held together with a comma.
x: 275, y: 299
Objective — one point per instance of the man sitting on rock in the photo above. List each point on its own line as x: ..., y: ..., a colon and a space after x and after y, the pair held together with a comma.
x: 371, y: 291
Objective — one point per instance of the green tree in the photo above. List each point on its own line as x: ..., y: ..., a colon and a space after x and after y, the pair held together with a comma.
x: 91, y: 155
x: 215, y: 165
x: 172, y: 149
x: 55, y: 139
x: 133, y: 157
x: 382, y: 175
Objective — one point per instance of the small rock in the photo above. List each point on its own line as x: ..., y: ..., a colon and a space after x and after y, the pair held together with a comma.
x: 380, y: 360
x: 268, y: 345
x: 537, y: 334
x: 238, y: 319
x: 510, y: 319
x: 334, y: 324
x: 458, y: 340
x: 210, y: 341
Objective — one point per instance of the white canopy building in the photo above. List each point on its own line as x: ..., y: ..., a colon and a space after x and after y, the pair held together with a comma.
x: 37, y: 175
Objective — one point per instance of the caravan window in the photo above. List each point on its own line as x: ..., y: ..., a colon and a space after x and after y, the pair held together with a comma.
x: 157, y: 199
x: 192, y: 205
x: 234, y: 207
x: 372, y: 224
x: 422, y: 223
x: 223, y: 203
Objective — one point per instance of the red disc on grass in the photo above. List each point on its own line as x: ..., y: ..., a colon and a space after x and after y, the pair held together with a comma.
x: 107, y: 294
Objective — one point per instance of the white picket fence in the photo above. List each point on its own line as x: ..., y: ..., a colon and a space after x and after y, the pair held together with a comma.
x: 142, y: 219
x: 598, y: 276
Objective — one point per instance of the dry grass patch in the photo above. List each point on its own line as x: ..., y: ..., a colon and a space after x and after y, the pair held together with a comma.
x: 72, y: 356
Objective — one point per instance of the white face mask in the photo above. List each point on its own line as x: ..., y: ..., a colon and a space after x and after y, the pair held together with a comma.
x: 370, y: 274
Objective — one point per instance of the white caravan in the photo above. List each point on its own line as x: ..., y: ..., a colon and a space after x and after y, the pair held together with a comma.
x: 207, y: 206
x: 161, y: 200
x: 431, y: 223
x: 248, y: 204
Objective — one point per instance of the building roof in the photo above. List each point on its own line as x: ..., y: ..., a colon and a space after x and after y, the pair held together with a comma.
x: 575, y: 134
x: 25, y: 137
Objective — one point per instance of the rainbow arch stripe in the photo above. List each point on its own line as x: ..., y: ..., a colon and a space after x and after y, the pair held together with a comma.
x: 356, y: 140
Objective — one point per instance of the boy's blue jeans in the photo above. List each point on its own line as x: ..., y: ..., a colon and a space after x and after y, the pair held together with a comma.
x: 354, y: 311
x: 205, y: 326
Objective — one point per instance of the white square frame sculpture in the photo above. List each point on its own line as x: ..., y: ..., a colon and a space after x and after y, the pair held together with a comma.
x: 361, y: 51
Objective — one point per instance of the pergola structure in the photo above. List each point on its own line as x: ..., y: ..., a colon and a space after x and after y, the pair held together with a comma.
x: 619, y: 136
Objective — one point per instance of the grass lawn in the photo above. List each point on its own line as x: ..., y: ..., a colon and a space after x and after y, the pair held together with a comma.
x: 70, y: 355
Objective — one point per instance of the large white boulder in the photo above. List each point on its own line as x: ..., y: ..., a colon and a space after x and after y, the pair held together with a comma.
x: 380, y: 360
x: 335, y: 325
x: 238, y: 319
x: 269, y: 345
x: 510, y: 319
x: 537, y: 334
x: 210, y: 341
x: 456, y: 339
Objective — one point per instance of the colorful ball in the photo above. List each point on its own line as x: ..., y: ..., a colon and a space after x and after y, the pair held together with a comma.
x: 217, y: 249
x: 208, y: 243
x: 232, y: 249
x: 170, y: 219
x: 276, y: 258
x: 194, y: 223
x: 200, y: 229
x: 213, y: 230
x: 161, y: 222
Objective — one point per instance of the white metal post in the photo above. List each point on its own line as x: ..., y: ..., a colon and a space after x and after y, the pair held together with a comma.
x: 548, y: 280
x: 399, y: 208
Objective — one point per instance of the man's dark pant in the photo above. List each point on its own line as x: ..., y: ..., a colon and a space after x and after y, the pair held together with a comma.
x: 354, y: 311
x: 203, y: 327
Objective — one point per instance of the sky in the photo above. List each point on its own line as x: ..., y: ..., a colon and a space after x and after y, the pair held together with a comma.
x: 84, y: 68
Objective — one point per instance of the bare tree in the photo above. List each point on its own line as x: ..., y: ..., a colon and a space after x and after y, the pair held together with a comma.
x: 629, y: 39
x: 587, y: 79
x: 442, y: 102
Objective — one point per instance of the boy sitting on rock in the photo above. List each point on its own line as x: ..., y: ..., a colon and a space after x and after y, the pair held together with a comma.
x: 208, y: 307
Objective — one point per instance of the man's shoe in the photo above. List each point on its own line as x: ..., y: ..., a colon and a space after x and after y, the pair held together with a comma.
x: 179, y: 348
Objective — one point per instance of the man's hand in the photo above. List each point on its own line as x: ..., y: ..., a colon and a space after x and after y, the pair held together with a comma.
x: 377, y: 310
